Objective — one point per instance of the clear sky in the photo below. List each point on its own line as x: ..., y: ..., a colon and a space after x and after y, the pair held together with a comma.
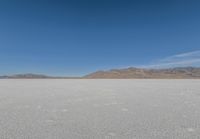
x: 74, y: 37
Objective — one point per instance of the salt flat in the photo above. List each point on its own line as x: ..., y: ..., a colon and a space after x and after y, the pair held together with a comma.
x: 99, y: 109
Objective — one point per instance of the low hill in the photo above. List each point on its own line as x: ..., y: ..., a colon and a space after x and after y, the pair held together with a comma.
x: 26, y: 76
x: 34, y: 76
x: 128, y: 73
x: 141, y: 73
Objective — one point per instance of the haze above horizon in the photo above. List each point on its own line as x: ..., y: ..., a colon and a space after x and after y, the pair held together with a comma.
x: 75, y: 37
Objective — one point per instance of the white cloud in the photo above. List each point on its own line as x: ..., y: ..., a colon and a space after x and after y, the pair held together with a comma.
x: 179, y: 60
x: 189, y: 54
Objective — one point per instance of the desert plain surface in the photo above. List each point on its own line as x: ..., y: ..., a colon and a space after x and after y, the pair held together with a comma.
x: 99, y: 109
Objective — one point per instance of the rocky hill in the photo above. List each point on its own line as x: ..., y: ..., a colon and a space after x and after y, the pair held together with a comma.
x: 140, y: 73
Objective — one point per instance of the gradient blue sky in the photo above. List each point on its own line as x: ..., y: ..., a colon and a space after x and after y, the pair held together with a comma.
x: 74, y: 37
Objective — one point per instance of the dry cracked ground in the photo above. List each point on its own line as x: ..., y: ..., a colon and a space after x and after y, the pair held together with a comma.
x: 99, y: 109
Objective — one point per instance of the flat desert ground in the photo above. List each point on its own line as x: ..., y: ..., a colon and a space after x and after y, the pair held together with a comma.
x: 99, y: 109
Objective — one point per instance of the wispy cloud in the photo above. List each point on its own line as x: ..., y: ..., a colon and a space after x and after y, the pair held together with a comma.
x: 189, y: 54
x: 179, y: 60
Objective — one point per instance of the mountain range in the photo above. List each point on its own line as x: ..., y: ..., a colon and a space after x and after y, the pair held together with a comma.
x: 127, y: 73
x: 142, y: 73
x: 26, y: 76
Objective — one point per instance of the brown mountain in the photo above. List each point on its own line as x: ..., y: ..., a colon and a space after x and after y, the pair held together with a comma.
x: 141, y: 73
x: 128, y: 73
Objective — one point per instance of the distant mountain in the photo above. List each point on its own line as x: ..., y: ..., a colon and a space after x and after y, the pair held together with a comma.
x: 141, y: 73
x: 25, y: 76
x: 34, y: 76
x: 128, y: 73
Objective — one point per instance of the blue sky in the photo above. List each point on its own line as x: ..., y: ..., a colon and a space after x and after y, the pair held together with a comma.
x: 74, y: 37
